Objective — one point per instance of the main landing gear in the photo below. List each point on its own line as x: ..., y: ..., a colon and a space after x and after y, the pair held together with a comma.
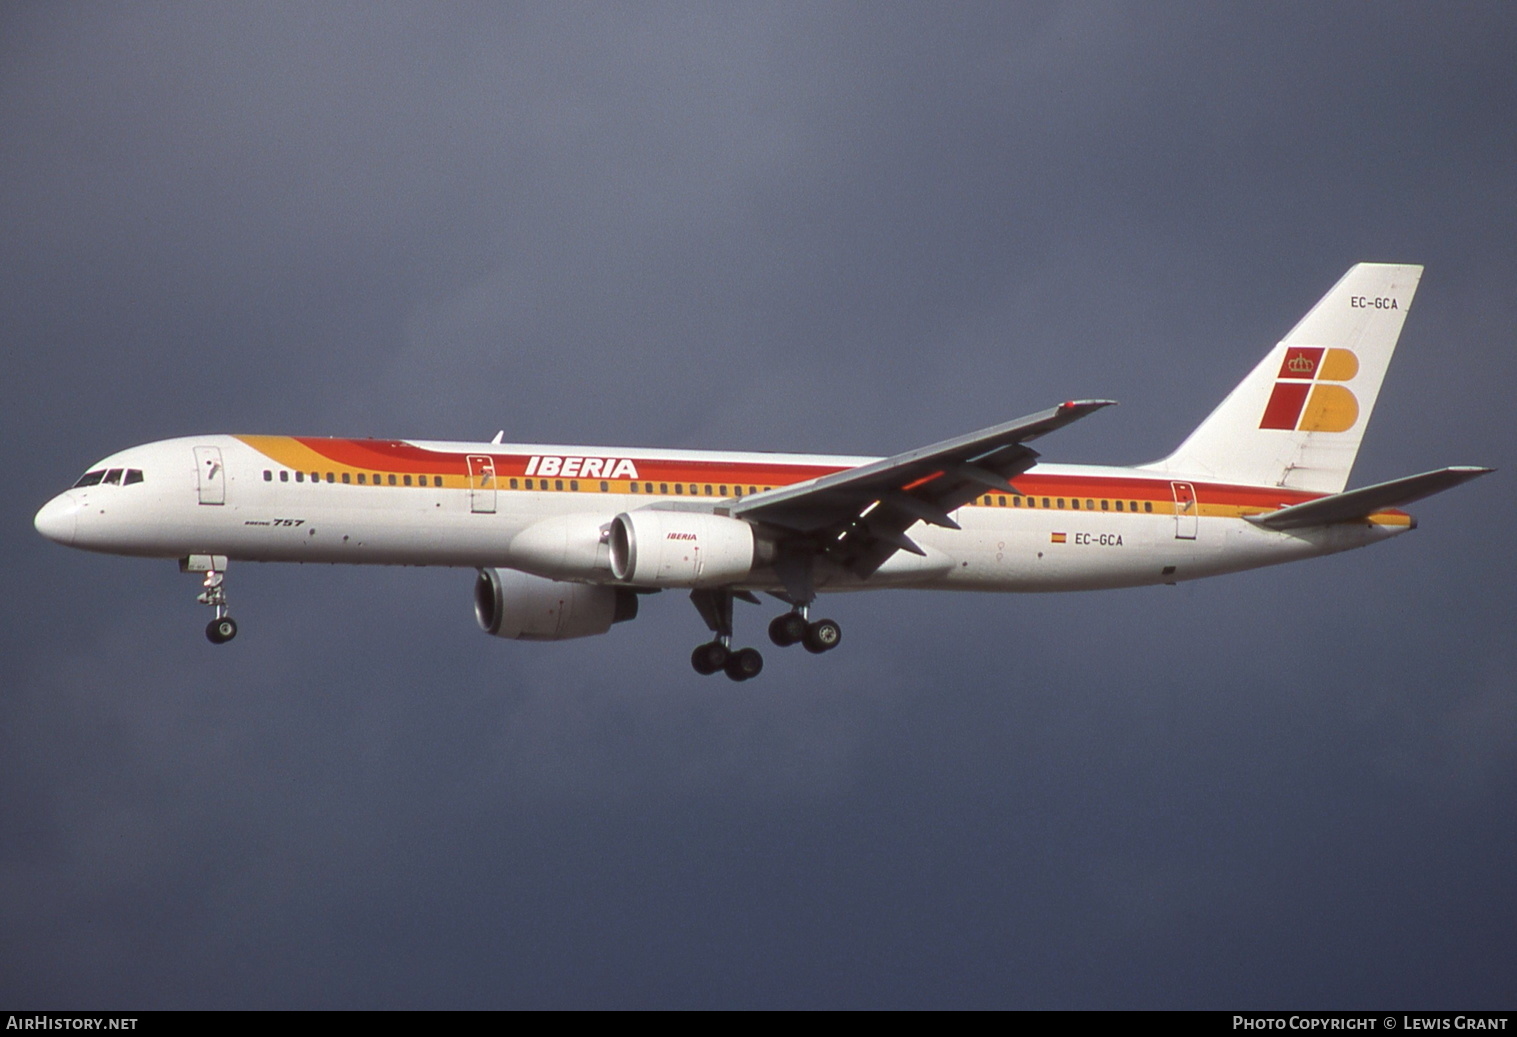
x: 741, y: 664
x: 822, y: 635
x: 223, y: 628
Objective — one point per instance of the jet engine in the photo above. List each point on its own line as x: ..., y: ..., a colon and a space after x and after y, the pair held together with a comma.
x: 564, y: 546
x: 524, y: 607
x: 681, y: 548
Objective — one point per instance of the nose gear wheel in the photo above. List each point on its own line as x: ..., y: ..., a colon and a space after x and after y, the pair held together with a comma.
x: 223, y: 628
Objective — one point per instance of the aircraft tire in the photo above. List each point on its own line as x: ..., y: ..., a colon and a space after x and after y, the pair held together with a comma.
x: 787, y: 629
x: 744, y: 664
x: 709, y: 657
x: 823, y: 636
x: 220, y: 631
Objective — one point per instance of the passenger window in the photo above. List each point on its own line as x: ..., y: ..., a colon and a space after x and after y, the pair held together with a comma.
x: 663, y: 487
x: 1090, y: 505
x: 574, y: 485
x: 284, y: 476
x: 1075, y: 504
x: 558, y: 484
x: 1148, y: 505
x: 1000, y: 502
x: 1106, y: 505
x: 268, y: 476
x: 679, y: 489
x: 347, y: 477
x: 647, y: 487
x: 408, y: 480
x: 392, y: 479
x: 605, y: 487
x: 513, y: 484
x: 437, y: 481
x: 300, y: 476
x: 634, y: 487
x: 330, y: 477
x: 724, y: 491
x: 361, y: 479
x: 1119, y: 505
x: 1045, y: 502
x: 1061, y: 502
x: 132, y: 475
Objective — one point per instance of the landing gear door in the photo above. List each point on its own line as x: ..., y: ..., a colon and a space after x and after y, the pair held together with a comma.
x: 481, y: 484
x: 1185, y: 510
x: 211, y: 475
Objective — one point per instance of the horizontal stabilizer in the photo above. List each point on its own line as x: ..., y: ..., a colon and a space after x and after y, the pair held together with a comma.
x: 1359, y: 504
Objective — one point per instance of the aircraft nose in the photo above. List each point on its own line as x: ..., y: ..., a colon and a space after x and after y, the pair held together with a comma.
x: 58, y: 519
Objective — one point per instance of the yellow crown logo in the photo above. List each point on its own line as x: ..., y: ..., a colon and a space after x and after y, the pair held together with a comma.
x: 1301, y: 365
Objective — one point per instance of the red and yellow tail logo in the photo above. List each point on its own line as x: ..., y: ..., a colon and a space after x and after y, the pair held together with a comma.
x: 1302, y: 402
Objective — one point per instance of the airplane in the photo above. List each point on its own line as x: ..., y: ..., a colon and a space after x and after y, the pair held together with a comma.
x: 567, y: 539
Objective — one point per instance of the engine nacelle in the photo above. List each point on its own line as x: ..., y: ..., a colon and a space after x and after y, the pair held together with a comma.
x: 524, y: 607
x: 563, y: 547
x: 681, y: 548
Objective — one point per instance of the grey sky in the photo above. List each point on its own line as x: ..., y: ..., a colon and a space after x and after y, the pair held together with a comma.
x: 851, y: 228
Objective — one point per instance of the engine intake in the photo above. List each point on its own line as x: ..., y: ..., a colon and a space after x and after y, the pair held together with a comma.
x: 524, y: 607
x: 681, y: 548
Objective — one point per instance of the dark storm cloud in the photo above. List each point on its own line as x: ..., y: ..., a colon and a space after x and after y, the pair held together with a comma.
x: 831, y: 227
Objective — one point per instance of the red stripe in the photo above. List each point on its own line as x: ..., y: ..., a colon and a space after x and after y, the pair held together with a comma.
x: 400, y: 457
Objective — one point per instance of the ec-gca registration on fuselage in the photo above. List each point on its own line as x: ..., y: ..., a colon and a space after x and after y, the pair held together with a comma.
x: 567, y: 538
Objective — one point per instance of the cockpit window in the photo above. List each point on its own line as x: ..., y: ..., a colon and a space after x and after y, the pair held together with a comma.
x: 110, y: 476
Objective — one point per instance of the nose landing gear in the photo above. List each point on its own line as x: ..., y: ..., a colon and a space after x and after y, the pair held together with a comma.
x: 223, y: 628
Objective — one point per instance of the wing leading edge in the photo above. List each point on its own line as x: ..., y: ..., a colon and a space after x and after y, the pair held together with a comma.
x: 859, y: 517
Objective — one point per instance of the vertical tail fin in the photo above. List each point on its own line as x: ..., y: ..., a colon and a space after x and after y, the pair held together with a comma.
x: 1298, y: 418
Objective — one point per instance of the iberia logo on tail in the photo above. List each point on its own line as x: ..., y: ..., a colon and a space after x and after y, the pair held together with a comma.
x: 1304, y: 398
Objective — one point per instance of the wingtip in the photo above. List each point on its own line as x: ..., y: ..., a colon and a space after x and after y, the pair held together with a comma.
x: 1086, y: 404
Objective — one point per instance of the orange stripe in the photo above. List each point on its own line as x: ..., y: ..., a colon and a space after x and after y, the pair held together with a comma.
x: 311, y: 454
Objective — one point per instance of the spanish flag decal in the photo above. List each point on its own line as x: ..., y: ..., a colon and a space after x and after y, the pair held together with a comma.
x: 1059, y: 538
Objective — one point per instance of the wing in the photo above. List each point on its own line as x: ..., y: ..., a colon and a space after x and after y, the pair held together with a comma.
x: 1359, y: 504
x: 859, y: 517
